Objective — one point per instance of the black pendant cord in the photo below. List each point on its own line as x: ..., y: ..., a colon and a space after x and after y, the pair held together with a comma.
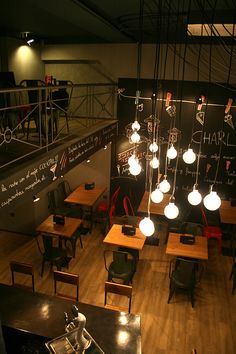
x: 223, y: 123
x: 180, y: 109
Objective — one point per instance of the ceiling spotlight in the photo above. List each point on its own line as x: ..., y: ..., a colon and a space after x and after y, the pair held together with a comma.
x: 88, y: 160
x: 30, y: 41
x: 35, y: 199
x: 105, y: 147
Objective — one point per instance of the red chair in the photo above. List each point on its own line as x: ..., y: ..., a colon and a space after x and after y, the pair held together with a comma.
x: 212, y: 231
x: 128, y: 206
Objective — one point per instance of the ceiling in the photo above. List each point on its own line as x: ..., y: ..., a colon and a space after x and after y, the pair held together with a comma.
x: 111, y: 21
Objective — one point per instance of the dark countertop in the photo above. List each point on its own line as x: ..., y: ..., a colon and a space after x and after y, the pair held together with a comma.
x: 43, y: 315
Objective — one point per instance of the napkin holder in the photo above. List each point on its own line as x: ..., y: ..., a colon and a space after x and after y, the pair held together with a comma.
x: 58, y: 219
x: 128, y: 230
x: 89, y: 186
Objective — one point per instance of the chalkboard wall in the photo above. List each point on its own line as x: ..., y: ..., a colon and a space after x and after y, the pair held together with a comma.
x: 35, y: 176
x: 214, y: 130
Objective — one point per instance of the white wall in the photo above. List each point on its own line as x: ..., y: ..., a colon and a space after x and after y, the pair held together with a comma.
x: 120, y: 61
x: 24, y: 61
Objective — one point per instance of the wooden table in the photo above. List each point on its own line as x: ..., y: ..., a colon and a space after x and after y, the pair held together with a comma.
x: 66, y: 230
x: 228, y: 216
x: 43, y: 315
x: 86, y: 197
x: 117, y: 238
x: 199, y: 250
x: 227, y: 212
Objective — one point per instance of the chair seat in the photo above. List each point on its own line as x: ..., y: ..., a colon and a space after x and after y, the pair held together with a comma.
x: 212, y: 231
x: 126, y: 273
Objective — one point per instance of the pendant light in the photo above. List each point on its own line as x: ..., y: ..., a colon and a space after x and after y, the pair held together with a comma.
x: 194, y: 197
x: 171, y: 211
x: 135, y: 167
x: 157, y: 195
x: 171, y: 152
x: 153, y: 147
x: 154, y: 163
x: 165, y: 185
x: 212, y: 201
x: 146, y: 226
x: 135, y: 137
x: 135, y: 126
x: 189, y: 156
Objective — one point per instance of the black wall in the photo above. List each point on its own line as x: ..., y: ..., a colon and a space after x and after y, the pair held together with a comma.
x: 214, y: 128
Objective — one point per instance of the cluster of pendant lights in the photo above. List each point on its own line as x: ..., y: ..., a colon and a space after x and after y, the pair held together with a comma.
x: 211, y: 201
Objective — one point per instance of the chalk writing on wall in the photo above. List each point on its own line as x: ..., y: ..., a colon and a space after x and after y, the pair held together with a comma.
x: 33, y: 178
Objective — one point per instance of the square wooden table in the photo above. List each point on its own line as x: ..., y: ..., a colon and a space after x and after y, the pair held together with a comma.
x: 66, y: 230
x: 87, y: 197
x: 115, y: 237
x: 227, y: 212
x: 198, y: 250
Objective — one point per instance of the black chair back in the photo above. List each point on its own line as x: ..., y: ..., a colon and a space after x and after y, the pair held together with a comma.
x: 191, y: 228
x: 48, y: 246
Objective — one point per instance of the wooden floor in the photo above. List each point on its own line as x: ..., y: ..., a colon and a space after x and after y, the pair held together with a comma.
x: 174, y: 328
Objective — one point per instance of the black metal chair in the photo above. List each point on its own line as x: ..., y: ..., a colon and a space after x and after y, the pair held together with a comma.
x: 233, y: 270
x: 73, y: 240
x: 55, y: 205
x: 183, y: 275
x: 54, y: 255
x: 133, y: 221
x: 34, y: 107
x: 120, y: 267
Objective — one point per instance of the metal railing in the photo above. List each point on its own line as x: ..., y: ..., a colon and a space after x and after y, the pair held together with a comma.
x: 35, y: 118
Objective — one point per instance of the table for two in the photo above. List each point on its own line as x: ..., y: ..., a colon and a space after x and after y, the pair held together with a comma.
x: 86, y: 198
x: 49, y: 227
x: 197, y: 250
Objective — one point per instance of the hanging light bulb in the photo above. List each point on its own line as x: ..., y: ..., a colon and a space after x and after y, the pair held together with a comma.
x: 194, y: 197
x: 164, y: 185
x: 172, y: 152
x: 135, y: 125
x: 153, y: 147
x: 135, y: 168
x: 131, y: 159
x: 189, y: 156
x: 135, y: 138
x: 154, y: 163
x: 146, y: 226
x: 157, y: 195
x: 212, y: 201
x: 171, y: 211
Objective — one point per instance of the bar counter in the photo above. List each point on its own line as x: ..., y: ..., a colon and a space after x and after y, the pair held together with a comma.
x: 43, y: 315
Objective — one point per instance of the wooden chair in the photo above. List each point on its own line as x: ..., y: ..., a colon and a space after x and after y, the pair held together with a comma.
x: 118, y: 289
x: 23, y: 268
x: 67, y: 278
